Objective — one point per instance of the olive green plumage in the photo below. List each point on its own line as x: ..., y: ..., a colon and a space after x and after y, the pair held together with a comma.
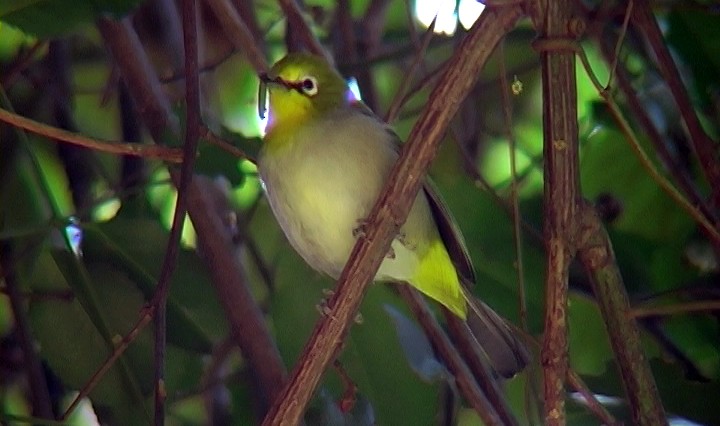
x: 324, y: 162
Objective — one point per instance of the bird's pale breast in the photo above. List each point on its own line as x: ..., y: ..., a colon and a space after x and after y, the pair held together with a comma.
x: 325, y: 181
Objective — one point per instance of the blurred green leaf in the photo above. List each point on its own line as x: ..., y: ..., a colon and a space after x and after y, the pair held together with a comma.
x: 193, y: 322
x: 48, y: 18
x: 609, y: 166
x: 74, y: 345
x: 694, y: 34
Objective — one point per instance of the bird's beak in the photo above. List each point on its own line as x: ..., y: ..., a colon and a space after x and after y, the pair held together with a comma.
x: 265, y: 79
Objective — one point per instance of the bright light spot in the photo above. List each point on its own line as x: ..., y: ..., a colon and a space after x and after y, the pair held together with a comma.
x: 469, y: 11
x: 263, y: 121
x: 444, y: 10
x: 679, y: 421
x: 602, y: 399
x: 163, y: 198
x: 247, y: 193
x: 354, y: 90
x: 496, y: 163
x: 74, y: 235
x: 83, y: 414
x: 106, y: 210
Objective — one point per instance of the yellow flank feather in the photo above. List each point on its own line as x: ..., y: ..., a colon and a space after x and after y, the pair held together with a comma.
x: 437, y: 278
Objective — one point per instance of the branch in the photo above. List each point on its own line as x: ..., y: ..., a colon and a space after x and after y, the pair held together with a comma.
x: 561, y: 175
x: 696, y: 213
x: 596, y: 254
x: 682, y: 178
x: 467, y: 349
x: 296, y: 24
x: 703, y: 145
x: 172, y: 155
x: 238, y: 33
x: 41, y: 403
x: 244, y: 316
x: 390, y: 211
x: 486, y: 409
x: 593, y: 404
x: 698, y: 306
x: 192, y: 137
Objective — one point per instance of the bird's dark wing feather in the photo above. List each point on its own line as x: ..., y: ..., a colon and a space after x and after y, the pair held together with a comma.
x: 449, y: 231
x: 450, y: 234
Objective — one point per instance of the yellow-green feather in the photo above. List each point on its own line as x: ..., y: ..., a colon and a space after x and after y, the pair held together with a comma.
x: 436, y: 277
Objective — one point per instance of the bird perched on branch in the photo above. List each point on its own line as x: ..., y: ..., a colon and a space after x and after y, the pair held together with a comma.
x: 325, y: 159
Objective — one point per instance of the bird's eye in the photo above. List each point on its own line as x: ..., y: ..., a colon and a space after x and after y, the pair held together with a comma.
x: 309, y: 86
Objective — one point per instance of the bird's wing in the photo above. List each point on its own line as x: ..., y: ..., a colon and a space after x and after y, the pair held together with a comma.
x: 449, y: 231
x: 450, y: 234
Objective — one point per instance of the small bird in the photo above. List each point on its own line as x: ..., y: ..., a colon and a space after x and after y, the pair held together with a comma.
x: 325, y: 159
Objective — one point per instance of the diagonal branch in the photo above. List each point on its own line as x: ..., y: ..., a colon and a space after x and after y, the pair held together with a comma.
x: 596, y: 254
x: 243, y: 314
x: 238, y: 33
x: 487, y: 410
x: 390, y: 211
x: 705, y: 148
x: 192, y: 137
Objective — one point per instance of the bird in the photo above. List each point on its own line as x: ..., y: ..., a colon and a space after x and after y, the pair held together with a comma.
x: 324, y: 160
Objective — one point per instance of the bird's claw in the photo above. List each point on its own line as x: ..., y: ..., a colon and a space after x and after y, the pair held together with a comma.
x: 359, y: 231
x: 324, y: 307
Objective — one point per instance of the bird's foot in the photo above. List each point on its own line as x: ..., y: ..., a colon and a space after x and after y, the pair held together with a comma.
x: 325, y: 310
x: 359, y: 230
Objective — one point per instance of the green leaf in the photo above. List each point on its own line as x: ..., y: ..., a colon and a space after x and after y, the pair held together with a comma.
x: 193, y: 322
x: 48, y: 18
x: 75, y: 343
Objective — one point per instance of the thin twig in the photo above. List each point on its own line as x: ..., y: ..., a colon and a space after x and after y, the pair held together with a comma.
x: 226, y: 146
x: 390, y: 212
x: 469, y: 350
x: 705, y: 148
x: 243, y: 315
x: 530, y: 387
x: 238, y: 33
x: 514, y: 197
x: 41, y: 403
x: 464, y: 377
x: 593, y: 404
x: 192, y: 137
x: 676, y: 309
x: 145, y: 317
x: 645, y: 160
x: 681, y: 177
x: 618, y: 45
x: 26, y: 57
x: 296, y: 21
x: 397, y: 102
x: 171, y: 155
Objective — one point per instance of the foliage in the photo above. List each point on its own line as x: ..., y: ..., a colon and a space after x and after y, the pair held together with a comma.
x: 79, y: 304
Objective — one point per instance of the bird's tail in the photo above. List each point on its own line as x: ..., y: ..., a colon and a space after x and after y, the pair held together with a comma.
x: 502, y: 345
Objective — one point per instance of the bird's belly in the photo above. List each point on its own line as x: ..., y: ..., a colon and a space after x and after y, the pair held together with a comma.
x: 320, y: 212
x: 322, y: 188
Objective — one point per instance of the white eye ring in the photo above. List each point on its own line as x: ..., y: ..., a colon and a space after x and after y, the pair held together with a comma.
x: 309, y: 85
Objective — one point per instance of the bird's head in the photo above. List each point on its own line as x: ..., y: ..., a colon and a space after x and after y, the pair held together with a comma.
x: 302, y: 87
